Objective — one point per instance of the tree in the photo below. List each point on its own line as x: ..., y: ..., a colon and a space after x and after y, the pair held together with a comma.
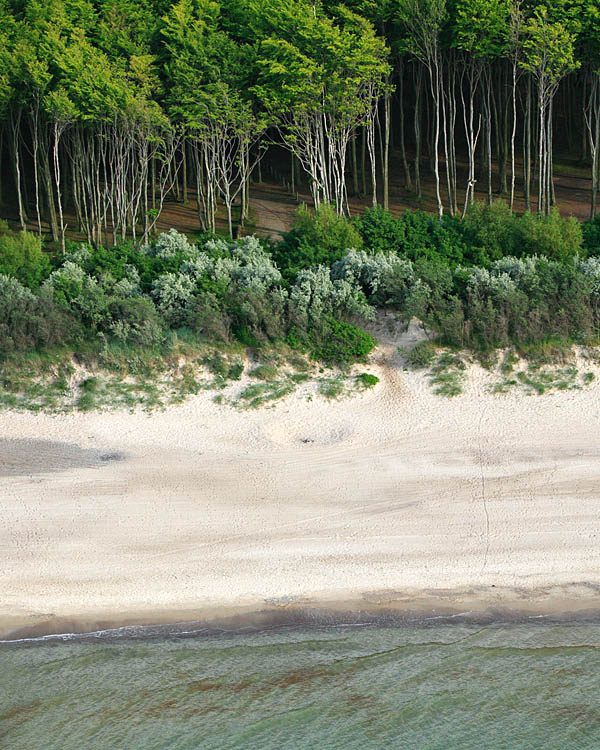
x: 424, y: 20
x: 481, y: 30
x: 319, y: 81
x: 548, y: 50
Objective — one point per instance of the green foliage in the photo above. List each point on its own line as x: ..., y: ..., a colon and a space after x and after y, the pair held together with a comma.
x: 447, y: 375
x: 332, y: 388
x: 222, y: 367
x: 591, y: 236
x: 380, y: 231
x: 264, y: 372
x: 421, y: 355
x: 22, y: 257
x: 317, y: 237
x: 367, y: 380
x: 341, y: 342
x: 258, y: 394
x: 29, y: 321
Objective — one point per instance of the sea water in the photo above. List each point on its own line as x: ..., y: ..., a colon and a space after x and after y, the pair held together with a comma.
x: 432, y: 685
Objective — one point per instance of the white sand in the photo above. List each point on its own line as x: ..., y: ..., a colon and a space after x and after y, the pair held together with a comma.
x: 397, y: 491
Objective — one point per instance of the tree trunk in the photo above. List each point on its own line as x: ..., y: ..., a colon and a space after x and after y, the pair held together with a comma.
x: 405, y: 164
x: 386, y: 147
x: 418, y: 71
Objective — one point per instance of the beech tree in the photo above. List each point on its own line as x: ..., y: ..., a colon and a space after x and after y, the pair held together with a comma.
x: 548, y: 51
x: 111, y: 108
x: 320, y: 81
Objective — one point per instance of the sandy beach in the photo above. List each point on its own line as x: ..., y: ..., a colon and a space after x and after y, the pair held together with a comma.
x: 389, y: 498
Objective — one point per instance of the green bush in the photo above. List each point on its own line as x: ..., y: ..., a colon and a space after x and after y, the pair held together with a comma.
x: 491, y: 231
x: 591, y: 236
x: 264, y: 372
x: 421, y: 355
x: 381, y: 232
x: 320, y: 236
x: 22, y: 257
x: 340, y: 342
x: 30, y: 321
x: 367, y: 380
x: 551, y: 236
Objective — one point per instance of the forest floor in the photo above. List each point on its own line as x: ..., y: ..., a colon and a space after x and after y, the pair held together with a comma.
x: 273, y: 205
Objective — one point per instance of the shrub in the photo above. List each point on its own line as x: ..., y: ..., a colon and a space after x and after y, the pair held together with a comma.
x: 591, y: 236
x: 421, y: 355
x: 380, y: 231
x: 316, y: 296
x: 384, y: 278
x: 74, y: 290
x: 340, y: 342
x: 317, y: 237
x: 171, y: 244
x: 552, y: 236
x: 491, y: 231
x: 172, y: 293
x: 134, y: 321
x: 22, y: 257
x: 264, y: 372
x: 367, y: 380
x: 29, y: 321
x: 433, y: 239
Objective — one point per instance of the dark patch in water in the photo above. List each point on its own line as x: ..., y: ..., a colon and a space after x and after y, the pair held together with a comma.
x: 20, y: 712
x: 302, y: 676
x: 201, y: 686
x: 358, y: 701
x: 159, y: 709
x: 578, y: 712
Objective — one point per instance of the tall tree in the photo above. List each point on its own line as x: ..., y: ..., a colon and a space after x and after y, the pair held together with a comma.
x: 549, y: 55
x: 424, y: 20
x: 320, y: 80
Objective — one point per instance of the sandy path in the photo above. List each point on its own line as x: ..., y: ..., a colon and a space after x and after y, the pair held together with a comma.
x: 376, y: 498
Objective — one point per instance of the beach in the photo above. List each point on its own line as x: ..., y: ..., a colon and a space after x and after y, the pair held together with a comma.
x: 393, y: 498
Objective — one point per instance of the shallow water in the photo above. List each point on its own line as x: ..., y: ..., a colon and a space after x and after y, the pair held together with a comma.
x: 533, y: 685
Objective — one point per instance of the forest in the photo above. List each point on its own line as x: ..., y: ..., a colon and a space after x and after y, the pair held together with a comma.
x: 112, y: 112
x: 112, y: 108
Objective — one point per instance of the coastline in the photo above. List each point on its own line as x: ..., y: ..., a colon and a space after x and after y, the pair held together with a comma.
x: 579, y: 602
x: 393, y: 500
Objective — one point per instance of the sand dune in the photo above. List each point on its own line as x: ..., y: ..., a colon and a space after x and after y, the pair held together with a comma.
x: 392, y: 494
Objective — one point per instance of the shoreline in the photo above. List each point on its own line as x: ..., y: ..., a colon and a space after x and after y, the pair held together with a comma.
x: 395, y: 498
x: 578, y: 602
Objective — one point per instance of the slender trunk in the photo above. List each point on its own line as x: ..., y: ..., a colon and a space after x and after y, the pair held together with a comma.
x: 513, y: 134
x: 15, y: 125
x: 57, y: 178
x: 437, y: 93
x: 363, y: 161
x: 386, y: 147
x: 527, y: 145
x: 405, y: 164
x: 417, y: 126
x: 488, y: 144
x: 541, y: 150
x: 354, y: 166
x: 47, y: 177
x: 184, y: 176
x: 292, y: 172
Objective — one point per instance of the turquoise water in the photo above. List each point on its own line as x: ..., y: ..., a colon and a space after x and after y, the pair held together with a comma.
x: 438, y: 686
